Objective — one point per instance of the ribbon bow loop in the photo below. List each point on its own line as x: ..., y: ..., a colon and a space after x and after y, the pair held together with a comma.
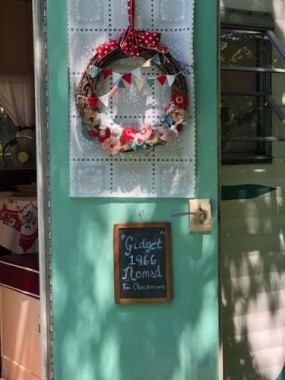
x: 105, y: 48
x: 130, y: 41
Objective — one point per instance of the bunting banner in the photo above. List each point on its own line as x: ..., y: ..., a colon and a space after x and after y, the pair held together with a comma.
x: 126, y: 80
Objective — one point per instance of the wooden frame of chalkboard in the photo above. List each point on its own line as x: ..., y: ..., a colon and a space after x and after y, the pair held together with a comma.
x: 142, y: 263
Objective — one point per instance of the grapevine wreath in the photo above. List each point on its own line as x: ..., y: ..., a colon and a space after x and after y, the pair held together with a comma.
x: 98, y: 125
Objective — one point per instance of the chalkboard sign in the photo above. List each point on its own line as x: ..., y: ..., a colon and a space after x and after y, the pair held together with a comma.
x: 142, y: 262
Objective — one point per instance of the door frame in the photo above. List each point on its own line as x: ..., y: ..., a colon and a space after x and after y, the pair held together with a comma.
x: 42, y: 143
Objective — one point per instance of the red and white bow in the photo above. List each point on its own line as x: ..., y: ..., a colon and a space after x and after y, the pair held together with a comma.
x: 131, y: 40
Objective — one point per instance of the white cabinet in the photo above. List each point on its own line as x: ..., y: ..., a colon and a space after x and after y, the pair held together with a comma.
x: 20, y: 337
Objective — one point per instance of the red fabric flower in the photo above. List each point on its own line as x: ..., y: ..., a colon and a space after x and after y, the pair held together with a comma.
x: 92, y: 133
x: 128, y: 134
x: 180, y: 99
x: 179, y: 127
x: 101, y: 134
x: 123, y: 141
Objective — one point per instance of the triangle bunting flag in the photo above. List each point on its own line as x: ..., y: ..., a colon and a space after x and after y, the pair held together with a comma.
x: 156, y: 59
x: 114, y: 91
x: 161, y: 79
x: 106, y: 73
x: 139, y: 83
x: 121, y: 84
x: 137, y: 73
x: 146, y: 63
x: 150, y: 81
x: 94, y: 71
x: 127, y: 78
x: 104, y: 99
x: 170, y: 79
x: 116, y: 77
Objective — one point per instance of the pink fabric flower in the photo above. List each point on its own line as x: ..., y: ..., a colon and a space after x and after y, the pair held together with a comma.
x: 112, y: 145
x: 138, y: 140
x: 144, y: 132
x: 169, y: 108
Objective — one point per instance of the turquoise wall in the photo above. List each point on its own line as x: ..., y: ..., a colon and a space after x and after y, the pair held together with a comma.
x: 94, y: 338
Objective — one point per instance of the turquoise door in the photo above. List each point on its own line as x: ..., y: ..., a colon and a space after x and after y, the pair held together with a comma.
x: 93, y: 337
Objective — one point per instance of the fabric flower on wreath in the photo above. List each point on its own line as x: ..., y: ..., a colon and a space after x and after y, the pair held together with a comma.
x: 100, y: 133
x: 140, y: 143
x: 92, y: 133
x: 128, y: 134
x: 116, y: 130
x: 90, y: 116
x: 166, y: 120
x: 170, y: 107
x: 112, y: 145
x: 105, y: 120
x: 153, y: 138
x: 144, y: 132
x: 179, y: 99
x: 178, y: 114
x: 179, y: 126
x: 163, y: 133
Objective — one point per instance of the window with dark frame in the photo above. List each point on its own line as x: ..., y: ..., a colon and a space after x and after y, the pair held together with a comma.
x: 245, y: 84
x: 11, y: 171
x: 7, y: 131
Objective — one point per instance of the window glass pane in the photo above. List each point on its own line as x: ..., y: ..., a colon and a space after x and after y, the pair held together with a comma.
x: 7, y: 131
x: 7, y: 128
x: 278, y: 130
x: 278, y: 61
x: 17, y: 148
x: 239, y: 81
x: 245, y: 87
x: 278, y: 93
x: 244, y: 48
x: 243, y: 116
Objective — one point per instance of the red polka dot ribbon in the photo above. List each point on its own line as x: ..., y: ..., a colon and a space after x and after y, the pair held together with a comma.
x: 131, y: 40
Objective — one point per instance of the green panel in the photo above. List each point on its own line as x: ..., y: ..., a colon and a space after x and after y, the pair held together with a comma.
x: 245, y: 191
x: 95, y: 339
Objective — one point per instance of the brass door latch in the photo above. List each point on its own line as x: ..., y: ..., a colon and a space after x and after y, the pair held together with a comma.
x: 200, y: 217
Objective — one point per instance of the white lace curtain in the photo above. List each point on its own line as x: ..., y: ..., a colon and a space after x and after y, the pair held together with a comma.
x: 17, y: 98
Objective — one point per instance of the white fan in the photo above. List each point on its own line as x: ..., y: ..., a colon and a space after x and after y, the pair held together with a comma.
x: 19, y: 153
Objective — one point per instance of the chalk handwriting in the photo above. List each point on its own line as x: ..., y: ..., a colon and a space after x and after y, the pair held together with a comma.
x: 131, y: 274
x: 145, y: 244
